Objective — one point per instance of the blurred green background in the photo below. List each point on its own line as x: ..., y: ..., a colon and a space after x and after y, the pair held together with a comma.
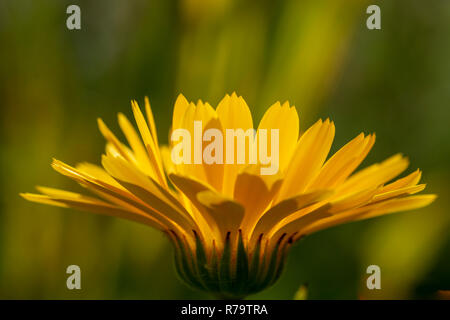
x: 317, y: 54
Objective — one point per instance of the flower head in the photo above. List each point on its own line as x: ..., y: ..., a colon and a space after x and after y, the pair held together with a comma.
x: 231, y: 225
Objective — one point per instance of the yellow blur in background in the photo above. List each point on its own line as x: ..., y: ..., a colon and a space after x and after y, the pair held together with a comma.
x: 318, y: 54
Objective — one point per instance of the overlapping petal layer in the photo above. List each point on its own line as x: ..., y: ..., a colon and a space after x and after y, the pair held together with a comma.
x: 231, y: 226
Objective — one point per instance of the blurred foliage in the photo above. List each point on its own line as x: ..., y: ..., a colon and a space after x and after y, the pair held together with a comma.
x: 318, y: 54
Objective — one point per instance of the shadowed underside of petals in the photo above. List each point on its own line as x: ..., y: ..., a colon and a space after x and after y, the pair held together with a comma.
x: 232, y: 226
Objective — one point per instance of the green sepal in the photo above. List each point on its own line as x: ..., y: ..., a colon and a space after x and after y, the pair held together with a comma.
x: 202, y: 266
x: 281, y: 263
x: 225, y: 266
x: 213, y: 268
x: 188, y: 274
x: 268, y: 275
x: 240, y: 279
x: 254, y: 265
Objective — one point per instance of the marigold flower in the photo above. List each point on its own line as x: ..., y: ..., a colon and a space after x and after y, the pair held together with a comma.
x: 231, y: 226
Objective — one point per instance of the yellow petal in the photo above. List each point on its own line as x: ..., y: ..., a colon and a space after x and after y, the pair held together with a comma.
x: 293, y: 228
x: 155, y: 196
x: 181, y: 105
x: 343, y: 163
x: 375, y: 175
x: 255, y: 195
x: 399, y: 204
x: 97, y: 172
x: 136, y: 145
x: 227, y: 213
x: 221, y: 214
x: 152, y: 149
x: 214, y: 172
x: 190, y: 188
x: 276, y: 214
x: 119, y: 196
x: 169, y: 166
x: 151, y: 121
x: 410, y: 180
x: 67, y: 199
x: 309, y: 156
x: 285, y: 119
x: 233, y: 113
x: 114, y: 142
x: 200, y: 112
x: 399, y: 192
x: 354, y: 200
x: 370, y: 211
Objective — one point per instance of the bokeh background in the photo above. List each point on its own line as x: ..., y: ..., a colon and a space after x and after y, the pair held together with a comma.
x: 317, y: 54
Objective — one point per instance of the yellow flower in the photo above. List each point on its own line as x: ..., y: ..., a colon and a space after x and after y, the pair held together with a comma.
x: 230, y: 225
